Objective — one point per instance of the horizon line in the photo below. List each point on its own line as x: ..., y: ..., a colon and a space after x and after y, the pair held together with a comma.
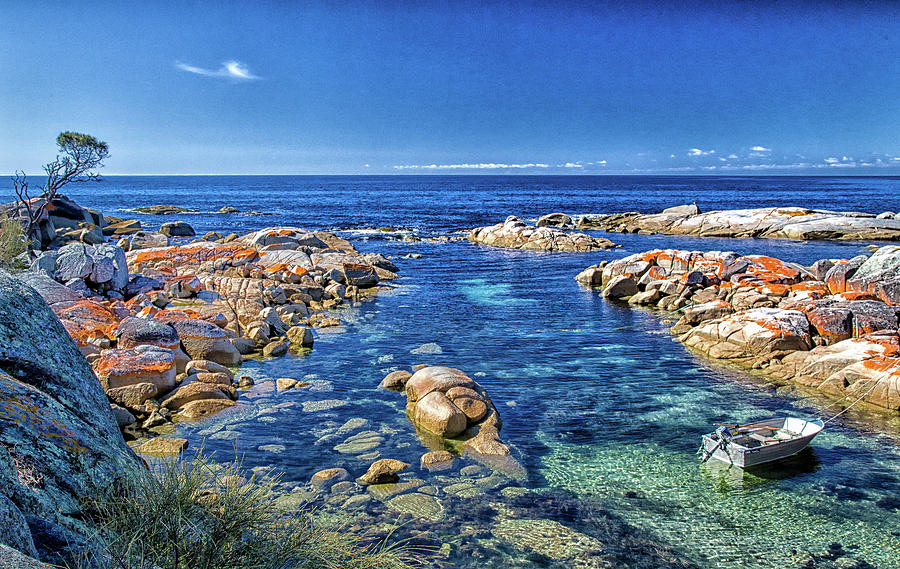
x: 516, y: 174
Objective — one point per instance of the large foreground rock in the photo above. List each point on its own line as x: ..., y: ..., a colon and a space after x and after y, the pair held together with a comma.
x: 59, y: 441
x: 516, y: 234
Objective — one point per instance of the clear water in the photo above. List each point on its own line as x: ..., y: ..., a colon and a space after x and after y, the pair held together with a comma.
x: 602, y: 406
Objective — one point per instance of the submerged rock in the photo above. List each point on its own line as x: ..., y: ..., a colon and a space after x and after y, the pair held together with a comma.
x: 418, y: 505
x: 546, y: 537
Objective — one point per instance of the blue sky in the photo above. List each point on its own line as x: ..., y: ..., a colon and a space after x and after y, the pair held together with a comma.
x: 455, y: 87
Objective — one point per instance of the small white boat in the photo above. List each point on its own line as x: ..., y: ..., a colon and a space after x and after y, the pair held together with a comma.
x: 757, y: 443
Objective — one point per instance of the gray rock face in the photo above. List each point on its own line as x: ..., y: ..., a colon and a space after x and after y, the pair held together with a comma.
x: 177, y: 229
x: 102, y: 267
x: 620, y: 287
x: 883, y: 265
x: 291, y: 237
x: 59, y: 440
x: 691, y: 209
x: 136, y: 331
x: 147, y: 240
x: 51, y: 291
x: 555, y: 220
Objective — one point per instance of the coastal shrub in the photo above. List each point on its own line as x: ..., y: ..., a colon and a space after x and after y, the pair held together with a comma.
x: 12, y: 245
x: 195, y: 514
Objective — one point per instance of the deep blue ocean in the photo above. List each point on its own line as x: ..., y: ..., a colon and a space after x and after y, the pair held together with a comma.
x: 602, y: 406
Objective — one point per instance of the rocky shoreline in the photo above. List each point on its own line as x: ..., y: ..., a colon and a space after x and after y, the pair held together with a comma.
x: 832, y: 326
x: 773, y: 222
x: 165, y: 320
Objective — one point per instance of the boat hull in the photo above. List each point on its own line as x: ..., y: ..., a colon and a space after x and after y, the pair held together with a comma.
x: 744, y: 457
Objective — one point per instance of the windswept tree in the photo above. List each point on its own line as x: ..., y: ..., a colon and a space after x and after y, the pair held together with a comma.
x: 79, y: 160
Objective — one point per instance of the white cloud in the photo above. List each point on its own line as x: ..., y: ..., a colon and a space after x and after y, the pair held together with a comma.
x: 698, y: 152
x: 230, y: 70
x: 761, y: 149
x: 832, y: 160
x: 570, y: 165
x: 732, y: 156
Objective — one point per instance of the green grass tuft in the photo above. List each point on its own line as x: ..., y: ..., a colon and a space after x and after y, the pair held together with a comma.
x: 12, y: 245
x: 195, y: 514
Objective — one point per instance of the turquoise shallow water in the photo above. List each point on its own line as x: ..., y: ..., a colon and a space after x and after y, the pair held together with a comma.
x: 604, y: 409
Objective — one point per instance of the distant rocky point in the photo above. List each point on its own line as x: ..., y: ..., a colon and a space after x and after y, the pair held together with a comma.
x: 774, y: 222
x: 516, y: 234
x: 163, y: 210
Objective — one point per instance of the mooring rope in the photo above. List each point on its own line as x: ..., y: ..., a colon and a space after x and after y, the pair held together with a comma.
x: 875, y: 381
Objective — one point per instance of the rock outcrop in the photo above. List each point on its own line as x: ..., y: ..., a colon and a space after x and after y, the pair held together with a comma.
x: 446, y: 403
x: 516, y: 234
x: 774, y: 222
x: 61, y: 221
x: 832, y: 326
x: 59, y: 440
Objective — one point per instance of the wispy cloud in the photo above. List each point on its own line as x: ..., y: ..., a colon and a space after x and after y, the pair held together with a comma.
x: 761, y: 149
x: 698, y: 152
x: 230, y: 70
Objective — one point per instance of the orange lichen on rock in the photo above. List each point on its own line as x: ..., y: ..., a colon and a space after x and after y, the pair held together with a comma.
x: 855, y: 295
x: 169, y: 315
x: 794, y: 212
x: 772, y: 270
x: 284, y: 267
x: 883, y: 364
x: 775, y: 289
x: 120, y: 362
x: 811, y: 286
x: 657, y: 273
x: 891, y: 344
x: 18, y: 407
x: 196, y: 254
x: 87, y: 320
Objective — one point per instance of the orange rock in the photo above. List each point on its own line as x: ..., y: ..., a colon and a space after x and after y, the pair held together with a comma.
x: 143, y: 364
x: 854, y: 295
x: 195, y: 254
x: 772, y: 270
x: 87, y: 320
